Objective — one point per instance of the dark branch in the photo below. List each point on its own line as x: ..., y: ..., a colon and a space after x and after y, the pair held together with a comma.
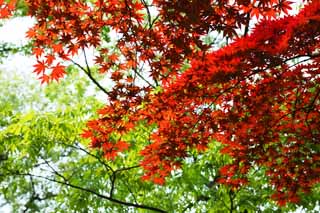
x: 246, y: 28
x: 92, y: 192
x: 148, y: 13
x: 89, y: 74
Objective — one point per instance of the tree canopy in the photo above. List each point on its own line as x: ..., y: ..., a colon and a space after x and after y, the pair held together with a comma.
x: 210, y: 106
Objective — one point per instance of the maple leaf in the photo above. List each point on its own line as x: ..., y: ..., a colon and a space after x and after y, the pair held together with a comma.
x: 58, y: 71
x: 4, y: 13
x: 110, y: 155
x: 86, y: 134
x: 159, y: 180
x: 58, y: 48
x: 113, y: 57
x: 121, y: 146
x: 44, y: 79
x: 73, y: 49
x: 37, y: 52
x: 49, y: 59
x: 6, y: 9
x: 31, y: 33
x: 40, y: 67
x: 284, y: 6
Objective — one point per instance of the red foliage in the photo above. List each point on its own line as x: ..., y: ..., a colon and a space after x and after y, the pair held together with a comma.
x: 256, y: 99
x: 7, y: 8
x: 258, y: 96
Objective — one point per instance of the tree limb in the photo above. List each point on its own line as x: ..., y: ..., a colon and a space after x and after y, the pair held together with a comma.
x: 140, y: 206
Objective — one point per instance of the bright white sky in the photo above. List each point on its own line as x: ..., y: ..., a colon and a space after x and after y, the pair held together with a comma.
x: 13, y: 31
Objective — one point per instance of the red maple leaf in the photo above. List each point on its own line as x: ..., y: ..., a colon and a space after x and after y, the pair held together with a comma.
x: 58, y: 72
x: 40, y: 67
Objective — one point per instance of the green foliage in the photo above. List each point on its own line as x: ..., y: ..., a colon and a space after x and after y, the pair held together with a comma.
x: 7, y: 48
x: 37, y: 134
x: 21, y: 8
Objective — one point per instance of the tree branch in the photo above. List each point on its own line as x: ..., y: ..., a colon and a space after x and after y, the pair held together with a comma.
x: 140, y: 206
x: 77, y: 147
x: 148, y: 13
x: 89, y: 74
x: 246, y: 28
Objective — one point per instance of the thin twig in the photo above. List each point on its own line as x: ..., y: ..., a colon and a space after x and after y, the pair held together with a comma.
x: 88, y: 73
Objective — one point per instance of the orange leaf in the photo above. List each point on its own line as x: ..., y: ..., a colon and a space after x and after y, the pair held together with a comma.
x: 40, y: 67
x: 58, y: 72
